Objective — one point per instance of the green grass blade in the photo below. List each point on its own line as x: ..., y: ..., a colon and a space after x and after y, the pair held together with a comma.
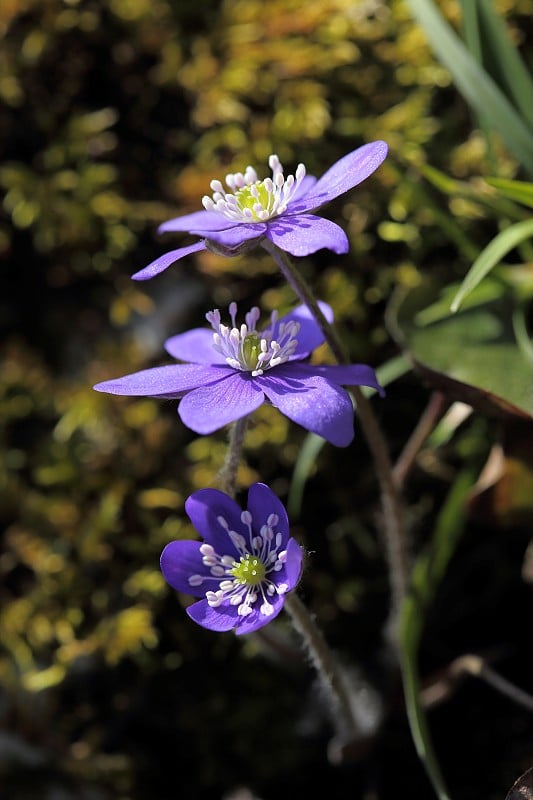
x: 491, y: 256
x: 523, y: 338
x: 479, y: 90
x: 504, y: 61
x: 427, y: 575
x: 519, y: 191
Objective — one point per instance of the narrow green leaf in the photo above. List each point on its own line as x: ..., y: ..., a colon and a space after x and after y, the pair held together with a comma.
x: 491, y: 256
x: 428, y: 572
x: 479, y: 90
x: 523, y: 338
x: 506, y: 65
x: 521, y: 191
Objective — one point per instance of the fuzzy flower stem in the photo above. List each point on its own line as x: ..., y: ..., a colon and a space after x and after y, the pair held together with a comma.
x: 325, y: 665
x: 394, y: 532
x: 305, y: 295
x: 228, y: 474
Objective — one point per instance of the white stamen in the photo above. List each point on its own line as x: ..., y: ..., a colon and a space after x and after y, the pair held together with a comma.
x: 230, y: 574
x: 271, y: 195
x: 247, y: 350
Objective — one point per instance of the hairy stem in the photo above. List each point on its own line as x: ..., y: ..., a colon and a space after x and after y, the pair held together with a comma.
x: 326, y: 666
x: 393, y: 525
x: 228, y: 474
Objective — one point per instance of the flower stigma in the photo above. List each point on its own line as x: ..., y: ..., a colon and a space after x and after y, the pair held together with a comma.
x: 253, y: 200
x: 249, y: 570
x: 246, y: 349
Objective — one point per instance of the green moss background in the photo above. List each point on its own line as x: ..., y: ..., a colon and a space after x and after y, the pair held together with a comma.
x: 115, y: 116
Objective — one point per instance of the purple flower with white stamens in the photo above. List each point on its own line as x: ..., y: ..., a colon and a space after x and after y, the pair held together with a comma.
x: 249, y: 209
x: 245, y: 565
x: 232, y: 370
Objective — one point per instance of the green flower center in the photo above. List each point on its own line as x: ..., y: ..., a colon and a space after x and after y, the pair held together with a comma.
x: 249, y: 571
x: 250, y: 197
x: 251, y: 349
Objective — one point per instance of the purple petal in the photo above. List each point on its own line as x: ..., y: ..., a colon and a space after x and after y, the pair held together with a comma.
x: 180, y: 560
x: 342, y: 176
x: 345, y: 375
x: 169, y: 382
x: 209, y: 408
x: 198, y: 221
x: 204, y: 507
x: 304, y: 234
x: 292, y: 570
x: 256, y: 620
x: 305, y: 186
x: 261, y: 503
x: 223, y: 618
x: 164, y: 261
x: 236, y: 235
x: 310, y: 335
x: 195, y: 346
x: 311, y: 401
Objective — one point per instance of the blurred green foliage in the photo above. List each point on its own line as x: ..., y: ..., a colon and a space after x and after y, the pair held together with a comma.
x: 116, y: 115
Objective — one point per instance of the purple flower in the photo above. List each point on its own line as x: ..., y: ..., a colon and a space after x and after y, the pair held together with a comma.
x: 232, y: 371
x: 276, y: 208
x: 245, y: 565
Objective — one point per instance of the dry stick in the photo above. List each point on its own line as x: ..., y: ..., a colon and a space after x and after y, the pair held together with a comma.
x: 394, y: 533
x: 228, y: 474
x: 476, y: 667
x: 434, y: 410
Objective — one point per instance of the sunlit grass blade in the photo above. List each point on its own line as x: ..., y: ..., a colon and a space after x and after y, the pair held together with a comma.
x: 503, y: 60
x: 313, y: 444
x: 491, y: 256
x: 520, y: 191
x: 427, y: 575
x: 472, y: 38
x: 476, y: 86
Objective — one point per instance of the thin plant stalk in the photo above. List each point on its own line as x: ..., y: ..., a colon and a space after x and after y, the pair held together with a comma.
x: 326, y: 666
x: 227, y: 476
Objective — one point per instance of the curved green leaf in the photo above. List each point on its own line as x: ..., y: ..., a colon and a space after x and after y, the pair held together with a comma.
x: 491, y: 256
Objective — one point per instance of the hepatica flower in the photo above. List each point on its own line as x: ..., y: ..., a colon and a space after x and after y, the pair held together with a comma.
x: 233, y: 369
x: 245, y: 565
x: 248, y: 209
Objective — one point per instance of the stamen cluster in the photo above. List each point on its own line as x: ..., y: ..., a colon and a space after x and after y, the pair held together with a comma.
x: 245, y: 349
x: 252, y: 200
x: 242, y: 583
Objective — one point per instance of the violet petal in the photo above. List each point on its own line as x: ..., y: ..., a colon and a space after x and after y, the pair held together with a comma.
x: 195, y: 346
x: 198, y: 220
x: 261, y: 503
x: 292, y: 569
x: 169, y: 382
x: 311, y: 401
x: 222, y: 618
x: 164, y: 261
x: 182, y: 559
x: 344, y: 375
x: 208, y: 408
x: 204, y: 508
x: 346, y: 173
x: 305, y: 233
x: 310, y: 335
x: 256, y: 619
x: 236, y: 235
